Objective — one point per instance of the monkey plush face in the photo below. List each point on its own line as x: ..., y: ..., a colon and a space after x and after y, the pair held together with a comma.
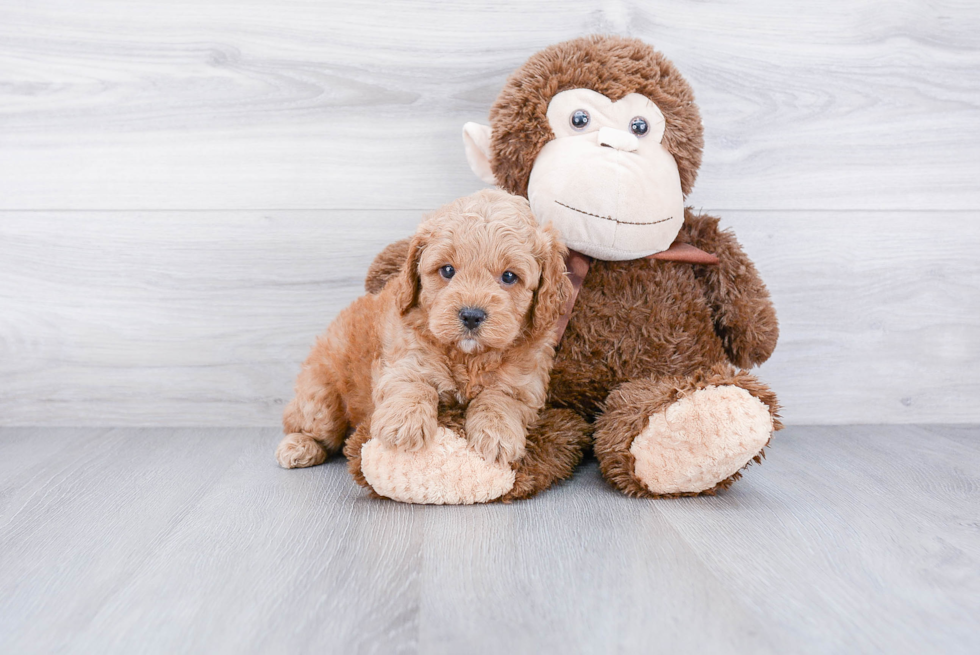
x: 606, y: 181
x: 603, y: 137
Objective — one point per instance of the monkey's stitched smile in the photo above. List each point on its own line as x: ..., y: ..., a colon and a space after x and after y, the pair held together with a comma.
x: 614, y: 220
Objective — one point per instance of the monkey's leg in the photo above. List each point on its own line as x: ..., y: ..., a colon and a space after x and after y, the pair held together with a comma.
x: 555, y: 445
x: 684, y: 436
x: 449, y: 472
x: 314, y: 421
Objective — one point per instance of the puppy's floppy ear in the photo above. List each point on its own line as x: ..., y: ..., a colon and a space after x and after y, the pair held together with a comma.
x: 408, y: 281
x: 554, y: 287
x: 386, y: 266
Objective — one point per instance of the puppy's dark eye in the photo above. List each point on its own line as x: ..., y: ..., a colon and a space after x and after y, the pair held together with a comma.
x: 579, y: 119
x: 508, y: 278
x: 447, y: 272
x: 638, y: 126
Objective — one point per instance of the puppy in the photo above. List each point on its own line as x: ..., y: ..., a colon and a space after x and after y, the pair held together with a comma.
x: 468, y: 321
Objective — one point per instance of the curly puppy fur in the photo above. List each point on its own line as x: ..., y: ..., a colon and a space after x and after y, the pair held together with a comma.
x: 643, y: 332
x: 391, y: 359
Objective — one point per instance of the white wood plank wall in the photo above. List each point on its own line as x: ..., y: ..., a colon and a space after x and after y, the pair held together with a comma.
x: 190, y: 190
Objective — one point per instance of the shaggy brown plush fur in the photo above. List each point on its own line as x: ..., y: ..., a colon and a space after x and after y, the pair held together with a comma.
x: 392, y: 359
x: 629, y: 406
x: 644, y: 333
x: 612, y: 66
x: 653, y: 319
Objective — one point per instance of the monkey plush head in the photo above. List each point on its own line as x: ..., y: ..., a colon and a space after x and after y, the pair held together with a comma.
x: 602, y: 135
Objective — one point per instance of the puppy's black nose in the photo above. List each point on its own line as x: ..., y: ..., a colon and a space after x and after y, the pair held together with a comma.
x: 471, y: 317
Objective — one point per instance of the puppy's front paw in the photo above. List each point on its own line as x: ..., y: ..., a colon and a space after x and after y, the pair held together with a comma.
x: 499, y: 439
x: 405, y: 427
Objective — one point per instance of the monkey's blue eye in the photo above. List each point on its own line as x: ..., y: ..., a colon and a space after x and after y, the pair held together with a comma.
x: 638, y: 126
x: 447, y: 271
x: 579, y: 119
x: 508, y: 278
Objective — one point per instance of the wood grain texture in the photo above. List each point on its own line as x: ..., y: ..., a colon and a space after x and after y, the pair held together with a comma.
x: 163, y: 318
x: 192, y: 105
x: 244, y: 161
x: 203, y: 318
x: 848, y: 539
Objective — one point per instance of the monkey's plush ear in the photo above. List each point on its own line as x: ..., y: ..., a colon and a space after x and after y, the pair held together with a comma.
x: 476, y: 139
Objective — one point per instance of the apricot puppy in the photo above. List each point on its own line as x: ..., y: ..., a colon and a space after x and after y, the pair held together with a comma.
x: 469, y: 321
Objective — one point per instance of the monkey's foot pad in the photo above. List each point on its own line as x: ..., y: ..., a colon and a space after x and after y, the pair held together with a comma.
x: 700, y: 440
x: 444, y: 472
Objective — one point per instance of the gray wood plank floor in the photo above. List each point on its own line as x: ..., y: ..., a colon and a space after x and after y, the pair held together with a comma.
x: 848, y: 539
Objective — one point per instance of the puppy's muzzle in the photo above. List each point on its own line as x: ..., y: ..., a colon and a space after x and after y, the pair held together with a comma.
x: 472, y: 317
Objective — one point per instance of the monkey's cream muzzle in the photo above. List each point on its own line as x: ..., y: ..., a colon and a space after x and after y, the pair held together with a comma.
x: 613, y: 194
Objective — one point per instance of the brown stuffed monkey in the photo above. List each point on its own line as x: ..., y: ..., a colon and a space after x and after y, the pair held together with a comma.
x: 602, y: 135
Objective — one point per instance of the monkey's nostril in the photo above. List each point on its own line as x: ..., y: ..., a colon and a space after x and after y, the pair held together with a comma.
x: 471, y: 317
x: 618, y: 139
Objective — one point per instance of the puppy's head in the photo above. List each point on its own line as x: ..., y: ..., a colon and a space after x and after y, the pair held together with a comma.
x: 483, y: 274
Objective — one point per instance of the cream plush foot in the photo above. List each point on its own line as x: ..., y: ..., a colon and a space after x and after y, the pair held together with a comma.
x: 700, y: 440
x: 446, y: 471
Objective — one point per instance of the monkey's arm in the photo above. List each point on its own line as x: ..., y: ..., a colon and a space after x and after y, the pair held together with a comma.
x: 743, y: 313
x: 386, y: 265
